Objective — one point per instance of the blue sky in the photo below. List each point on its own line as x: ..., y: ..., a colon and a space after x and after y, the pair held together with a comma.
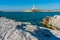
x: 27, y: 4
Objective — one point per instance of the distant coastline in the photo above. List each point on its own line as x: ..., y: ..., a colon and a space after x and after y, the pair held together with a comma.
x: 41, y: 11
x: 34, y: 10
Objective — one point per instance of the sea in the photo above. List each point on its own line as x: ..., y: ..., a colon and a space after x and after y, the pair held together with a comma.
x: 33, y: 17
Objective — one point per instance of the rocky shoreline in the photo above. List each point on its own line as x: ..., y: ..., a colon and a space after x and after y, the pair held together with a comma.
x: 12, y: 30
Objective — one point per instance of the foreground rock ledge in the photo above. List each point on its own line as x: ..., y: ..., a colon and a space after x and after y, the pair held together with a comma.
x: 12, y: 30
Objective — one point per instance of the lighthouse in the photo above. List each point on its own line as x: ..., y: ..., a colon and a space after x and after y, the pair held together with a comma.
x: 34, y: 9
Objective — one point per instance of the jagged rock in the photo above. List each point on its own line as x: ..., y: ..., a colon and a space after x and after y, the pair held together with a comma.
x: 8, y: 30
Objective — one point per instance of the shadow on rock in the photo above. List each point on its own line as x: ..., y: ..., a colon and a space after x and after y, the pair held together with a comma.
x: 22, y: 26
x: 44, y: 34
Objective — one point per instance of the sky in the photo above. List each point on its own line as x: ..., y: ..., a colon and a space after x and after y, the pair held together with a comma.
x: 27, y: 4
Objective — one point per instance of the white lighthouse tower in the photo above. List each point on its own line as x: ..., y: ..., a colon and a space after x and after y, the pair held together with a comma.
x: 34, y: 9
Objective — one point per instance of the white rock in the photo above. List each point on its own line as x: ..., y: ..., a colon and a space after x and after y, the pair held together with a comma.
x: 8, y: 30
x: 31, y: 28
x: 55, y: 21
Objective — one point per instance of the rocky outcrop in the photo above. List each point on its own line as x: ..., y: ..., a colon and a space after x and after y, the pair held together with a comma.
x: 55, y: 21
x: 52, y: 22
x: 9, y: 30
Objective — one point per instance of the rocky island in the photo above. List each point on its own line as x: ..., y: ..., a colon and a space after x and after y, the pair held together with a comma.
x: 34, y: 9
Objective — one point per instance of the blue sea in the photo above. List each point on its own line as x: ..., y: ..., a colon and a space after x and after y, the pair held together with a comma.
x: 28, y: 16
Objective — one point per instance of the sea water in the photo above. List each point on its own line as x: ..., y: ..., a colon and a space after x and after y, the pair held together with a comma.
x: 28, y: 16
